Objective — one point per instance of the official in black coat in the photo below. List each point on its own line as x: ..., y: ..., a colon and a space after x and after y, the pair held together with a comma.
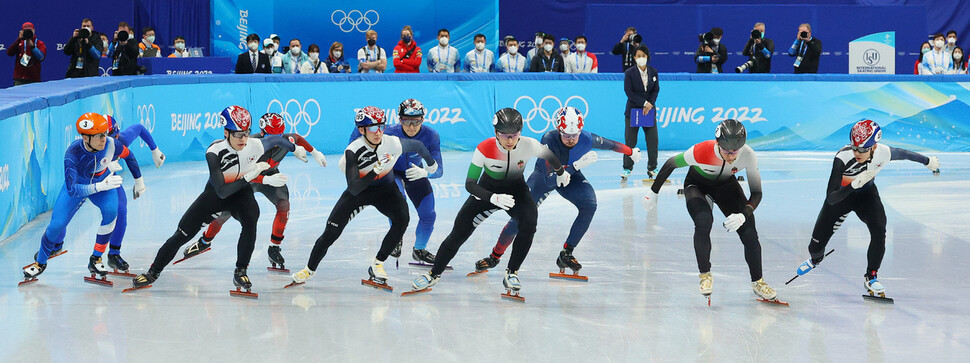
x: 642, y: 87
x: 253, y: 61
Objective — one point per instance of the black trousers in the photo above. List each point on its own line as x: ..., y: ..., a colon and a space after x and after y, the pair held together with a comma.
x: 630, y: 139
x: 241, y: 205
x: 729, y: 197
x: 386, y: 198
x: 475, y: 211
x: 866, y: 204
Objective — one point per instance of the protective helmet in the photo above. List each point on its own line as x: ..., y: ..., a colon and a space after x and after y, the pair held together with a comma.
x: 865, y: 133
x: 113, y: 127
x: 272, y: 124
x: 507, y: 121
x: 730, y: 134
x: 411, y: 107
x: 369, y: 115
x: 92, y: 123
x: 235, y: 118
x: 568, y: 120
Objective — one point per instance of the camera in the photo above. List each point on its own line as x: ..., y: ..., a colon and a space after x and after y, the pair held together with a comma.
x: 755, y: 34
x: 122, y: 36
x: 803, y: 34
x: 706, y: 38
x: 636, y: 38
x: 83, y: 33
x: 28, y: 34
x: 745, y: 66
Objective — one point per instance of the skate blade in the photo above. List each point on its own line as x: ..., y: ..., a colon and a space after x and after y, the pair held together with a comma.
x: 27, y: 281
x: 102, y: 281
x: 879, y: 298
x: 414, y: 292
x: 650, y: 181
x: 513, y: 297
x: 121, y: 273
x: 422, y: 264
x: 279, y: 270
x: 470, y: 274
x: 773, y: 301
x: 244, y: 294
x: 294, y: 283
x: 708, y: 296
x: 48, y: 257
x: 130, y: 289
x: 196, y: 255
x: 574, y: 276
x: 376, y: 285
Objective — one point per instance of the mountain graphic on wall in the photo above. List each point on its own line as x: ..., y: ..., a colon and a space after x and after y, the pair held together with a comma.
x: 781, y: 139
x: 940, y: 128
x: 897, y: 98
x: 840, y: 137
x: 197, y: 147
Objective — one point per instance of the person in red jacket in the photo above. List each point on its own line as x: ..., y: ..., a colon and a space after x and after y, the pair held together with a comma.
x: 407, y: 53
x: 29, y: 52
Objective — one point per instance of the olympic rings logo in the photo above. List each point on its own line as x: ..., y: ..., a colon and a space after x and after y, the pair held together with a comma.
x: 146, y: 116
x: 301, y: 187
x: 542, y: 110
x: 354, y: 19
x: 294, y: 113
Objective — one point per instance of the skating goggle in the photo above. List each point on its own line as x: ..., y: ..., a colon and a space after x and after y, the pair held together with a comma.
x: 508, y: 136
x: 860, y: 149
x: 375, y: 128
x: 412, y: 120
x: 730, y: 152
x: 569, y: 136
x: 239, y: 134
x: 99, y: 136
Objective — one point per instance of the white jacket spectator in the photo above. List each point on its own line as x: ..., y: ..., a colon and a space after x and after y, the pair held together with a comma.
x: 443, y: 58
x: 511, y: 61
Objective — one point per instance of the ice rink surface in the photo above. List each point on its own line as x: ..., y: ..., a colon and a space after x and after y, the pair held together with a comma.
x: 641, y: 302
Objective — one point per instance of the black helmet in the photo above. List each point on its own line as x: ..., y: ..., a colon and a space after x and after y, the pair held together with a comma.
x: 730, y: 134
x: 507, y: 121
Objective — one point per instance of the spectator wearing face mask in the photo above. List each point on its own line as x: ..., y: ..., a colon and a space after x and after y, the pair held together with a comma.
x: 923, y: 49
x: 444, y: 58
x: 536, y: 47
x: 280, y: 49
x: 371, y: 58
x: 407, y: 53
x: 479, y: 60
x: 28, y: 52
x: 951, y: 41
x: 85, y: 50
x: 711, y: 54
x: 548, y: 60
x: 580, y: 61
x: 959, y: 64
x: 315, y: 65
x: 564, y: 48
x: 294, y: 59
x: 180, y: 50
x: 122, y: 27
x: 335, y: 59
x: 148, y: 42
x: 511, y: 61
x: 642, y: 87
x: 937, y: 60
x: 124, y: 58
x: 275, y: 58
x: 252, y: 61
x: 106, y: 44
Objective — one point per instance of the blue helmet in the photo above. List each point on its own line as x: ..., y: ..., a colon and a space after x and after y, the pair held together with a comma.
x: 235, y: 118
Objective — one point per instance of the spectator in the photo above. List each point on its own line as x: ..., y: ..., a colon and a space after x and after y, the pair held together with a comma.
x: 275, y: 58
x: 959, y: 64
x: 641, y: 86
x: 807, y: 50
x: 180, y: 50
x: 564, y: 48
x: 85, y: 50
x: 28, y: 52
x: 122, y: 26
x: 106, y: 44
x: 536, y: 46
x: 479, y: 60
x: 951, y: 41
x: 314, y: 66
x: 547, y: 60
x: 294, y: 60
x: 511, y: 61
x: 372, y: 58
x: 444, y: 58
x: 252, y: 61
x: 937, y: 60
x: 124, y: 59
x: 147, y: 47
x: 923, y: 49
x: 758, y: 50
x: 335, y: 61
x: 711, y: 55
x: 627, y: 47
x: 580, y: 61
x: 407, y: 53
x: 280, y: 50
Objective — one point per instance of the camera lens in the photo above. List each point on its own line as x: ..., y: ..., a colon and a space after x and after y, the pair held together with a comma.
x: 122, y: 36
x: 804, y: 34
x: 83, y: 33
x: 637, y: 38
x: 28, y: 34
x: 755, y: 34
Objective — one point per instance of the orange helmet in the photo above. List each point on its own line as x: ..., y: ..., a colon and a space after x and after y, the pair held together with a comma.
x: 92, y: 123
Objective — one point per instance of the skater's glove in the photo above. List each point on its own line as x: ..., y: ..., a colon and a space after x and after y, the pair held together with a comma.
x: 114, y: 167
x: 863, y: 178
x: 585, y: 160
x: 649, y: 201
x: 300, y: 153
x: 503, y: 201
x: 733, y: 222
x: 257, y: 169
x: 635, y: 156
x: 275, y: 180
x: 111, y: 182
x: 563, y: 179
x: 158, y: 157
x: 416, y: 172
x: 318, y: 156
x: 934, y: 164
x: 431, y: 168
x: 139, y: 188
x: 378, y: 166
x: 342, y: 164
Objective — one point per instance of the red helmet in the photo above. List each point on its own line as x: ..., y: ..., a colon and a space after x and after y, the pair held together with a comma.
x: 92, y: 123
x: 369, y: 115
x: 235, y: 118
x: 272, y: 124
x: 865, y: 133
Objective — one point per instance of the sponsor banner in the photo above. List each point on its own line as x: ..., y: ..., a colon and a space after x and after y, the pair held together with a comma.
x: 873, y: 54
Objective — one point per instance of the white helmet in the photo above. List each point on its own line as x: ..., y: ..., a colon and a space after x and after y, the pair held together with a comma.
x: 569, y: 120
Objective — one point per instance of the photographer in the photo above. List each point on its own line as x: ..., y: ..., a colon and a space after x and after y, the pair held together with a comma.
x: 807, y: 50
x: 85, y: 50
x: 29, y: 52
x: 758, y: 50
x: 627, y: 47
x: 125, y: 56
x: 710, y: 54
x: 335, y: 61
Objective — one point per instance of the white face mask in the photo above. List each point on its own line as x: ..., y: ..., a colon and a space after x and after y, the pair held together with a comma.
x: 105, y: 44
x: 88, y: 28
x: 939, y: 43
x: 547, y: 47
x: 337, y: 53
x: 538, y: 41
x: 443, y: 41
x: 253, y: 46
x: 717, y: 40
x: 641, y: 61
x: 180, y: 46
x: 957, y: 56
x: 269, y: 51
x: 513, y: 50
x: 314, y: 56
x: 564, y: 47
x: 295, y: 50
x: 150, y: 39
x: 951, y: 40
x: 479, y: 46
x: 581, y: 46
